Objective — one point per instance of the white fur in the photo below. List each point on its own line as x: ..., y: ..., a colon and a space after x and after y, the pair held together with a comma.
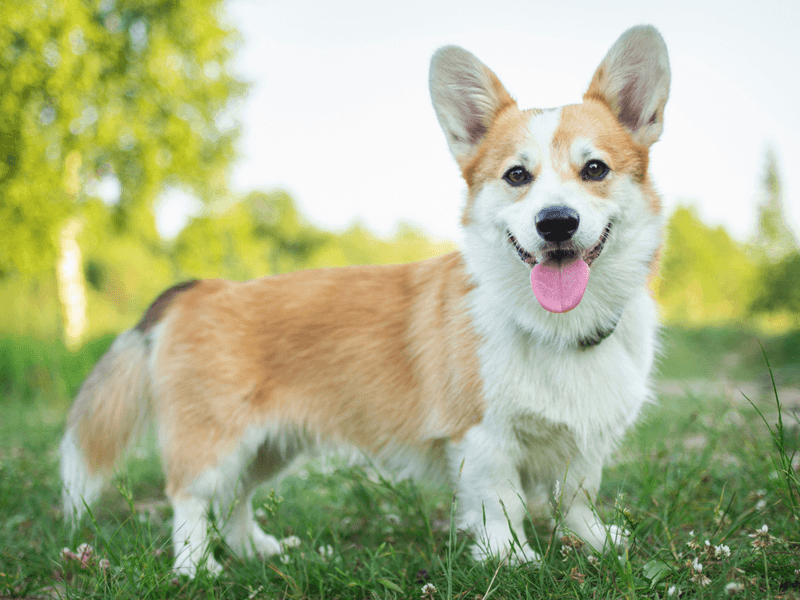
x: 190, y: 537
x: 79, y: 486
x: 556, y: 410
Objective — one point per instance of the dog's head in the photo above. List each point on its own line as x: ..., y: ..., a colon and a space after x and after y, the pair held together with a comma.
x: 559, y: 201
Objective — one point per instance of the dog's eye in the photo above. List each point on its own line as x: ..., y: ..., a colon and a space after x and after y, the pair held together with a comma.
x: 517, y: 176
x: 594, y: 170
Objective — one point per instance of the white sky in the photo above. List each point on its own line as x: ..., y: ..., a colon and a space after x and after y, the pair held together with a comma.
x: 339, y: 112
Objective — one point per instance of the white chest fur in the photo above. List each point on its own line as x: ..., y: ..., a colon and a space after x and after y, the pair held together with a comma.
x: 593, y: 394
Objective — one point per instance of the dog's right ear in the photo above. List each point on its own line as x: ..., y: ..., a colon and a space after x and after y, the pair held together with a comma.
x: 467, y: 98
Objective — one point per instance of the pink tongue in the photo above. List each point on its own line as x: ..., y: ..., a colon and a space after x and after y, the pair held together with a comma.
x: 560, y: 288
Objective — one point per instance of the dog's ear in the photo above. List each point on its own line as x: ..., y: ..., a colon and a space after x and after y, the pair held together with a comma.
x: 633, y: 80
x: 467, y: 97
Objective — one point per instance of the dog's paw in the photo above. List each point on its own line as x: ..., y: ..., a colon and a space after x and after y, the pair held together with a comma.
x: 600, y: 537
x: 252, y: 542
x: 512, y: 553
x: 184, y: 565
x: 264, y: 544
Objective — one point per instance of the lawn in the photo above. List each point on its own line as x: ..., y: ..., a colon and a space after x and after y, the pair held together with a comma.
x: 706, y: 483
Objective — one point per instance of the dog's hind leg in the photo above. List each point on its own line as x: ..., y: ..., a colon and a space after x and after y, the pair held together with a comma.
x: 241, y: 531
x: 198, y: 482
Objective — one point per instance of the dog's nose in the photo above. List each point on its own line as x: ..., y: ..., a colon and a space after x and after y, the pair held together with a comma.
x: 557, y: 223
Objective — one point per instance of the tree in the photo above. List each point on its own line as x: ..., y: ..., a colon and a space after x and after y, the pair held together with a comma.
x: 774, y: 239
x: 705, y: 275
x: 777, y: 294
x: 260, y: 234
x: 120, y: 95
x: 779, y: 288
x: 131, y: 93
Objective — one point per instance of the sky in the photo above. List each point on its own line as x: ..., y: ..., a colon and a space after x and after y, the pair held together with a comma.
x: 339, y: 112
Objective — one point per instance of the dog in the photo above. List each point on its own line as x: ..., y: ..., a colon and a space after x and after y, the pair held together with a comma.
x: 512, y: 367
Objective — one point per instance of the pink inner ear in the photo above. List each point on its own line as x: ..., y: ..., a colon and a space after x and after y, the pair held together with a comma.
x: 633, y: 80
x: 631, y: 104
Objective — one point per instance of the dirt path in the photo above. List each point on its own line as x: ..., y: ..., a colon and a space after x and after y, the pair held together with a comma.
x: 760, y: 392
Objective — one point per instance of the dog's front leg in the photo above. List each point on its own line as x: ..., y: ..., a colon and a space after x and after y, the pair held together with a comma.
x: 491, y: 503
x: 577, y: 500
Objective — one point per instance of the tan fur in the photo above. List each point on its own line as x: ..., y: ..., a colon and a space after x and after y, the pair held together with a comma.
x: 112, y: 403
x: 594, y: 122
x: 365, y: 355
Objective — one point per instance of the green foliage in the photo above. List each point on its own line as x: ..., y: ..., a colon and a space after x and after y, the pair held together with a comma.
x: 779, y: 287
x: 265, y: 234
x: 128, y: 91
x: 705, y: 276
x: 125, y: 271
x: 261, y: 235
x: 774, y: 240
x: 33, y: 369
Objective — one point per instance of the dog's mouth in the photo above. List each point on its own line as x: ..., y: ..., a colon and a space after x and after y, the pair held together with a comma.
x: 560, y: 275
x: 560, y: 252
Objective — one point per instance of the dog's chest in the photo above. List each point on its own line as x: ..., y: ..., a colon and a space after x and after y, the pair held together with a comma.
x: 594, y: 393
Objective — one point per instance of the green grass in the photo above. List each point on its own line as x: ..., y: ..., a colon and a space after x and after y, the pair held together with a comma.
x: 694, y: 469
x: 728, y: 352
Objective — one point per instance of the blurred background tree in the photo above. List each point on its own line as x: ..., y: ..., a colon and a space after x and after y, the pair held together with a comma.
x: 114, y: 99
x: 774, y: 239
x: 776, y: 297
x: 705, y: 276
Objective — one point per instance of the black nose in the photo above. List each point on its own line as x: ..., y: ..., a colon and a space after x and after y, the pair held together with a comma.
x: 557, y: 223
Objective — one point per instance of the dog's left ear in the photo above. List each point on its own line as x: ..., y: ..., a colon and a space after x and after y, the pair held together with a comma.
x: 633, y: 80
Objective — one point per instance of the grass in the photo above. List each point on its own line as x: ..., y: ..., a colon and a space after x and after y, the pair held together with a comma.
x: 695, y: 468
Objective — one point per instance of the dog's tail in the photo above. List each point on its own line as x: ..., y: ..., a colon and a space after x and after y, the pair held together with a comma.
x: 110, y: 410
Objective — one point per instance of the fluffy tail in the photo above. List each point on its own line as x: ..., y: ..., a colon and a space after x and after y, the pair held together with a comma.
x: 109, y: 411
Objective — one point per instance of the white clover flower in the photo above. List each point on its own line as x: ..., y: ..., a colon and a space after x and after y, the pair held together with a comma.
x: 697, y: 575
x: 672, y: 591
x: 286, y: 559
x: 428, y: 590
x: 103, y: 564
x: 761, y: 538
x: 733, y: 587
x: 722, y: 551
x: 697, y: 566
x: 325, y: 551
x: 290, y: 542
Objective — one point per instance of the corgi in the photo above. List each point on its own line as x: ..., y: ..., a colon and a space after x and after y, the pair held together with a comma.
x: 511, y: 367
